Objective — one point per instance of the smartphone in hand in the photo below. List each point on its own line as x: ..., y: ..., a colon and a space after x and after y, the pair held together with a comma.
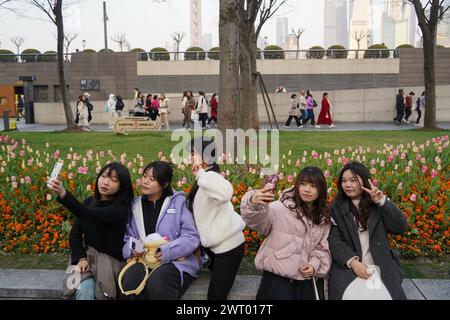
x: 136, y: 245
x: 273, y: 179
x: 56, y: 170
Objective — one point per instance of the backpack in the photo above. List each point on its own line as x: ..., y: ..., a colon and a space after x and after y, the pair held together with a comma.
x: 119, y: 104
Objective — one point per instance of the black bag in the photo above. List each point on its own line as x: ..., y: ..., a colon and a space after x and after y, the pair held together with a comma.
x: 90, y: 106
x: 152, y: 114
x: 314, y: 102
x: 120, y: 105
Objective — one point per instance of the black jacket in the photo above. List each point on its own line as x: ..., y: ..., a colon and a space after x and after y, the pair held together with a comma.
x: 344, y: 244
x: 100, y: 224
x: 400, y: 102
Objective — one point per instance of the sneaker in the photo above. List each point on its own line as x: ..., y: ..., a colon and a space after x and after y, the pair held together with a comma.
x: 405, y: 121
x: 317, y: 126
x: 286, y: 126
x: 208, y: 126
x: 300, y: 126
x: 417, y: 124
x: 331, y: 126
x: 397, y: 122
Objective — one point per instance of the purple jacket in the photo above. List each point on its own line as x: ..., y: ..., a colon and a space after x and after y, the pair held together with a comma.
x: 176, y: 222
x: 309, y: 103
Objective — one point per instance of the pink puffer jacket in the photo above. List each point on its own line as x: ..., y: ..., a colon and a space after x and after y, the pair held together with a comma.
x: 291, y: 243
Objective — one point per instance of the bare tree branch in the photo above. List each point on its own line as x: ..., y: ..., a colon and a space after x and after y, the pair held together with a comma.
x: 120, y: 39
x: 18, y: 41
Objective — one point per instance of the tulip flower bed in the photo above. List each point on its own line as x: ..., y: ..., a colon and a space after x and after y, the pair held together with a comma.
x: 415, y: 176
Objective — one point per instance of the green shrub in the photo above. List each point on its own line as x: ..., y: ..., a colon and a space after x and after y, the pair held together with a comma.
x: 105, y: 50
x: 316, y: 52
x: 339, y: 54
x: 402, y: 46
x: 214, y: 53
x: 89, y: 51
x: 142, y: 54
x: 49, y: 56
x: 195, y: 53
x: 379, y: 51
x: 30, y: 55
x: 159, y: 54
x: 273, y: 52
x: 7, y: 56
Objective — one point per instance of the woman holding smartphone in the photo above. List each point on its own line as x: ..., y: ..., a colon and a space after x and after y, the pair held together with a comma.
x: 97, y: 234
x: 364, y: 265
x: 295, y: 249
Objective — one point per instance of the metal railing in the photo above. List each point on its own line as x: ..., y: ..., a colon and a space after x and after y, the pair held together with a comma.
x: 214, y: 55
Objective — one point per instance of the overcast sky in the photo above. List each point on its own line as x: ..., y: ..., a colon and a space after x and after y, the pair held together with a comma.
x: 147, y: 23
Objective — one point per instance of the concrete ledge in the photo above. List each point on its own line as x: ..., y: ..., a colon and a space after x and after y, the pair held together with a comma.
x: 48, y: 285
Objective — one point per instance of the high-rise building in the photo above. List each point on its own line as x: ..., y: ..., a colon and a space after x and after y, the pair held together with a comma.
x: 336, y: 23
x: 196, y: 22
x: 443, y: 31
x: 360, y: 23
x: 207, y: 41
x: 282, y: 31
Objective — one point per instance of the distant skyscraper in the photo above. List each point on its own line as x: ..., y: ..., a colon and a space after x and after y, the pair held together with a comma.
x: 360, y: 22
x: 282, y: 31
x: 443, y: 31
x: 196, y: 22
x: 336, y: 23
x: 207, y: 41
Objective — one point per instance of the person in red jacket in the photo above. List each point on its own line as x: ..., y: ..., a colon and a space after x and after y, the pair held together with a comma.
x: 214, y: 103
x: 325, y: 112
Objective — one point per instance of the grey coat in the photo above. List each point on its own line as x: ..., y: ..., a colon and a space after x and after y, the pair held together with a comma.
x: 344, y: 244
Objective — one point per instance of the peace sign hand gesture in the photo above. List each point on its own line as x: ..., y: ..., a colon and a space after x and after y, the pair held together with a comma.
x: 375, y: 194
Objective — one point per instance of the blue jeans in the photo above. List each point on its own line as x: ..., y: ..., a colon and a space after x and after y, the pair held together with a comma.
x: 86, y: 290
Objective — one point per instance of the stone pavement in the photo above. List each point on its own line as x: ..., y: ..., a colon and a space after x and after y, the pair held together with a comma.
x: 341, y: 126
x: 48, y: 284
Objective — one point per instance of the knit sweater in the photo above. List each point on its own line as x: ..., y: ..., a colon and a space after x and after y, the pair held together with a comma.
x: 219, y: 226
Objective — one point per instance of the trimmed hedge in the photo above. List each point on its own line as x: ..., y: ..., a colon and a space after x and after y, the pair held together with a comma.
x: 49, y: 56
x: 30, y: 55
x: 89, y: 51
x: 273, y: 52
x: 194, y: 53
x: 316, y: 52
x: 105, y: 51
x: 214, y: 53
x: 142, y: 54
x: 159, y: 54
x: 381, y: 53
x: 402, y: 46
x: 9, y: 58
x: 337, y: 54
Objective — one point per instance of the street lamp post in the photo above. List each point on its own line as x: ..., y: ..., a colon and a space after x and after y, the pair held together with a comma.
x: 84, y: 44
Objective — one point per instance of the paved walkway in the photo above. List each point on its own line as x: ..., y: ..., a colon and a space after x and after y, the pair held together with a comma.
x: 343, y: 126
x: 48, y: 284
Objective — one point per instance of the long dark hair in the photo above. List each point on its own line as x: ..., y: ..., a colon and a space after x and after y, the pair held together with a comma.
x: 125, y: 193
x: 361, y: 214
x: 318, y: 213
x: 206, y: 145
x: 163, y: 174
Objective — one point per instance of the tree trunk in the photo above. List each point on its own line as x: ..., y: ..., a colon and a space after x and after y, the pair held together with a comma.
x: 246, y: 111
x: 254, y: 82
x: 430, y: 81
x: 229, y: 65
x: 62, y: 81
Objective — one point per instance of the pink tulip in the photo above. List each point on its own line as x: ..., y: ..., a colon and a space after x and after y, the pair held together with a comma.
x: 329, y: 162
x: 375, y: 182
x: 290, y: 178
x: 419, y: 157
x: 21, y: 153
x: 424, y: 169
x: 70, y: 175
x: 413, y: 197
x: 222, y: 174
x: 49, y: 197
x: 1, y: 138
x: 56, y: 154
x: 27, y: 180
x: 6, y: 138
x: 434, y: 173
x: 382, y: 163
x: 14, y: 185
x: 400, y: 186
x: 160, y: 154
x: 30, y: 162
x: 179, y: 184
x: 101, y: 153
x: 390, y: 158
x: 13, y: 179
x: 326, y: 173
x: 24, y: 141
x: 315, y: 155
x: 403, y: 156
x: 138, y: 182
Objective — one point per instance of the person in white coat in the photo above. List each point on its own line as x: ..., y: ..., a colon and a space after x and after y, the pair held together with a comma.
x: 112, y: 109
x: 219, y: 226
x: 83, y: 114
